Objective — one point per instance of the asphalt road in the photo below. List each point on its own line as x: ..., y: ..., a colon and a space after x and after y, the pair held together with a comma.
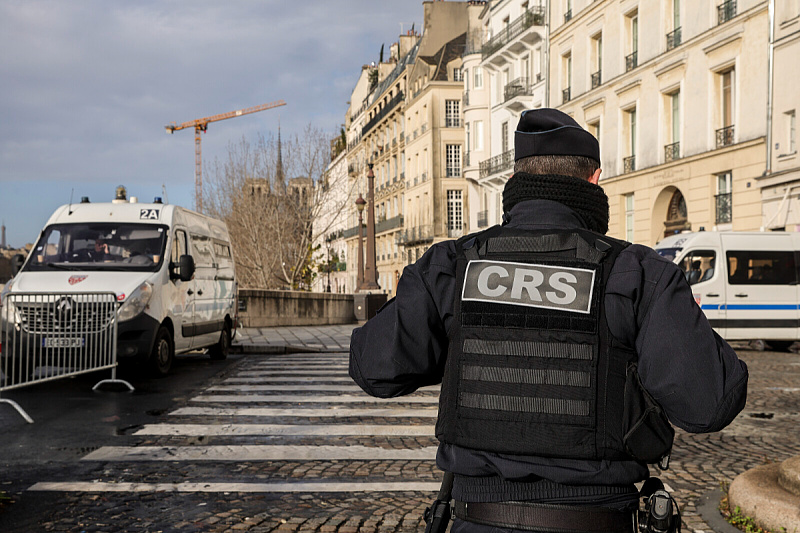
x: 71, y: 420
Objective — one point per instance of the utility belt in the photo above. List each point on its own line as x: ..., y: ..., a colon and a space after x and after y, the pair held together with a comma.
x: 660, y: 514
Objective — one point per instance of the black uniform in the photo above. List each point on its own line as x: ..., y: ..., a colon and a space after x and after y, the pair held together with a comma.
x: 693, y: 373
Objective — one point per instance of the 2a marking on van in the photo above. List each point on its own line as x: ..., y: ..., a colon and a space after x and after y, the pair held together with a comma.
x: 149, y: 214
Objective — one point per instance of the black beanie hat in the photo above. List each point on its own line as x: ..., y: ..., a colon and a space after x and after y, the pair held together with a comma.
x: 550, y: 132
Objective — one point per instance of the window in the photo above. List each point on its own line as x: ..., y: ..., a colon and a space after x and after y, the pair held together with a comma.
x: 504, y: 137
x: 455, y: 224
x: 452, y: 113
x: 597, y: 52
x: 727, y: 98
x: 674, y: 37
x: 566, y: 81
x: 723, y: 199
x: 672, y: 150
x: 629, y: 139
x: 201, y: 247
x: 791, y: 129
x: 698, y: 265
x: 629, y: 217
x: 478, y: 135
x: 477, y: 82
x: 453, y: 163
x: 458, y: 74
x: 594, y: 129
x: 632, y: 59
x: 749, y: 267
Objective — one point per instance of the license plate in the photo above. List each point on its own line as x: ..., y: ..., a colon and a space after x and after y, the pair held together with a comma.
x: 61, y: 342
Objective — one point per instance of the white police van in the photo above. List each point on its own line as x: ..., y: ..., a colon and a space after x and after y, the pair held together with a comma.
x: 171, y: 269
x: 746, y: 283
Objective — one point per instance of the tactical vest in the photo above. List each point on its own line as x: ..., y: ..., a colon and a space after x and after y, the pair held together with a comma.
x: 532, y: 367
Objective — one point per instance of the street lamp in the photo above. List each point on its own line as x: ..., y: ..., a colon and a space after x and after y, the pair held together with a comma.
x: 371, y: 270
x: 360, y: 203
x: 328, y: 240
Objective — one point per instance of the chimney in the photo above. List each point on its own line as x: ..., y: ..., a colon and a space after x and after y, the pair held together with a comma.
x: 3, y: 236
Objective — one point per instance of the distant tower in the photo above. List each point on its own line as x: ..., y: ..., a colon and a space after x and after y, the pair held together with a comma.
x: 3, y: 236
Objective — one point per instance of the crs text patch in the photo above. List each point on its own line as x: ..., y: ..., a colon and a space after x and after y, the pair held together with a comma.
x: 531, y: 285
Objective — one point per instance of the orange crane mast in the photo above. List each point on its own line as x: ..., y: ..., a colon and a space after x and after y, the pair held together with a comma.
x: 201, y: 125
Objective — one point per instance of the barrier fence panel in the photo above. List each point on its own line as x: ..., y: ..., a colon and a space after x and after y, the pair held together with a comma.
x: 48, y: 336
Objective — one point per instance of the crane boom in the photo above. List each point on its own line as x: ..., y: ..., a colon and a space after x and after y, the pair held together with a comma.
x: 200, y: 125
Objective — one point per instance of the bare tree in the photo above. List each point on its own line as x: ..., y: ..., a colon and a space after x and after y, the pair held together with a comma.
x: 270, y: 194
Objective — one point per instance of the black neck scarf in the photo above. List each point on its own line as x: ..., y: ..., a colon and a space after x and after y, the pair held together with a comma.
x: 586, y: 199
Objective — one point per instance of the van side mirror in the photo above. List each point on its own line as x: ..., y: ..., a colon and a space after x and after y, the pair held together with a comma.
x: 186, y: 268
x: 17, y: 260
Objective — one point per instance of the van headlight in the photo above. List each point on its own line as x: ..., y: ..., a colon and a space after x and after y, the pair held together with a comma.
x: 136, y: 302
x: 8, y: 311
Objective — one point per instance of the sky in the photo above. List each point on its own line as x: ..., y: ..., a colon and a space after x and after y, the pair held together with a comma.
x: 87, y: 86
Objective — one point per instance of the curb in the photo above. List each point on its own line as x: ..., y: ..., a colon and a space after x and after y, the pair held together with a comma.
x: 280, y: 349
x: 708, y: 508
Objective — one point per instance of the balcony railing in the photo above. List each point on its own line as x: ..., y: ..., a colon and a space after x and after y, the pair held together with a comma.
x: 565, y: 95
x: 532, y: 17
x: 389, y: 223
x: 631, y: 61
x: 726, y: 11
x: 483, y: 218
x: 724, y: 136
x: 597, y: 79
x: 724, y: 203
x: 383, y: 112
x: 515, y: 88
x: 567, y: 16
x: 416, y: 235
x: 497, y: 164
x: 672, y: 152
x: 628, y: 164
x: 352, y: 232
x: 673, y: 38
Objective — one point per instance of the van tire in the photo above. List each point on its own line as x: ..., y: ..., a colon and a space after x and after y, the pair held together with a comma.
x: 220, y: 351
x: 780, y: 346
x: 163, y: 353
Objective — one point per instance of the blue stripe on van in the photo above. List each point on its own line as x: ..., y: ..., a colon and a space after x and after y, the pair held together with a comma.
x: 751, y: 307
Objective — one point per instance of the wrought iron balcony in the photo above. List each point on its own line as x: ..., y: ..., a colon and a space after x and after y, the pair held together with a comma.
x: 631, y: 61
x: 515, y: 88
x: 454, y: 232
x: 411, y: 236
x: 388, y: 224
x: 724, y: 206
x: 597, y: 79
x: 532, y: 17
x: 383, y: 112
x: 674, y: 38
x: 672, y: 152
x: 629, y: 164
x: 352, y: 232
x: 565, y: 95
x: 483, y: 218
x: 497, y: 164
x: 726, y: 11
x: 724, y: 136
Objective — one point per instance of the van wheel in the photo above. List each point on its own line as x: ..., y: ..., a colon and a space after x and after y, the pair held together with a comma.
x: 780, y: 346
x: 163, y: 353
x: 220, y: 351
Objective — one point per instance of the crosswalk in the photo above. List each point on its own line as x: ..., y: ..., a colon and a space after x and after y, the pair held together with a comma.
x: 275, y: 410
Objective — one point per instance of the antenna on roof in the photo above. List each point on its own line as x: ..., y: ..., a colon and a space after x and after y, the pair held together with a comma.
x: 164, y: 191
x: 70, y: 202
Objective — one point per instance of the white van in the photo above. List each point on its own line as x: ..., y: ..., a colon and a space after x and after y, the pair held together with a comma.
x: 171, y: 269
x: 745, y: 282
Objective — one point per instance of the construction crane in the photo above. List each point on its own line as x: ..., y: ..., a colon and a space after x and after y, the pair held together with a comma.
x: 200, y: 125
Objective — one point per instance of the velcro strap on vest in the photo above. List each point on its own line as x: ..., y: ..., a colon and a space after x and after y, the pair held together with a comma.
x: 558, y: 242
x: 546, y: 518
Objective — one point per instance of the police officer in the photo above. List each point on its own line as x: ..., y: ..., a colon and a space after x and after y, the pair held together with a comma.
x: 557, y: 348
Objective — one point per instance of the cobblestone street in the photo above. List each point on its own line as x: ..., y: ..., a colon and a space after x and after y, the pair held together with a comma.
x: 288, y: 443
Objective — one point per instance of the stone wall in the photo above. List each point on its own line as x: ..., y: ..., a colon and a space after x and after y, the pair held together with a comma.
x: 262, y: 308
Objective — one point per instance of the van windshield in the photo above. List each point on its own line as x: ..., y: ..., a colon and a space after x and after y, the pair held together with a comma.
x: 99, y: 246
x: 669, y: 253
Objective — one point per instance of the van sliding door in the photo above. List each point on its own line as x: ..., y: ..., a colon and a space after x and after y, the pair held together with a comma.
x: 761, y: 296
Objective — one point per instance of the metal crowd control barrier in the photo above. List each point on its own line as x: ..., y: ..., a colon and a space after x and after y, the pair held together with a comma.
x: 49, y: 336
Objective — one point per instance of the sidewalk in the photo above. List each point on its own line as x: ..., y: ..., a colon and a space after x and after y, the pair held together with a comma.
x: 293, y: 339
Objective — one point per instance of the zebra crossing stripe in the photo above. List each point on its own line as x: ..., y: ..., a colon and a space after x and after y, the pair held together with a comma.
x: 267, y: 387
x: 259, y: 453
x: 361, y: 430
x: 332, y: 412
x: 99, y: 486
x: 298, y: 387
x: 302, y: 372
x: 268, y: 377
x: 287, y: 398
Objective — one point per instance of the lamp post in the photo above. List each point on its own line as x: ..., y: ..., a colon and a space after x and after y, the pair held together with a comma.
x: 328, y: 244
x: 360, y: 203
x: 371, y: 270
